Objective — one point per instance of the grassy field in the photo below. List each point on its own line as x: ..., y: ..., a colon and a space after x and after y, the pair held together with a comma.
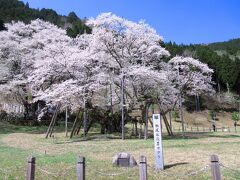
x: 56, y: 157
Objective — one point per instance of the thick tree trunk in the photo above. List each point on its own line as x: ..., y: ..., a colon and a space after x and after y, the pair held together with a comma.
x: 152, y: 110
x: 26, y: 110
x: 89, y: 125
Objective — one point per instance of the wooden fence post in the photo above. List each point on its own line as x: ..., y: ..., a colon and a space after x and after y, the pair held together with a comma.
x: 216, y: 175
x: 81, y: 168
x: 30, y: 168
x: 143, y: 168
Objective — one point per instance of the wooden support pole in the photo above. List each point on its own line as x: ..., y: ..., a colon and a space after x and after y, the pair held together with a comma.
x: 30, y: 175
x: 215, y: 167
x: 52, y: 124
x: 74, y: 127
x: 81, y: 168
x: 170, y: 119
x: 80, y: 123
x: 66, y: 122
x: 143, y: 168
x: 146, y: 123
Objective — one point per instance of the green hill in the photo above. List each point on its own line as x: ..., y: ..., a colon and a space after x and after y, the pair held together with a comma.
x: 231, y: 47
x: 18, y: 11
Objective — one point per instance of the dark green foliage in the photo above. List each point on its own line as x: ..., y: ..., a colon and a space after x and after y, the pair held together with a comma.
x: 175, y: 115
x: 78, y: 27
x: 232, y: 46
x: 72, y: 17
x: 235, y: 116
x: 50, y: 15
x: 18, y: 11
x: 2, y: 27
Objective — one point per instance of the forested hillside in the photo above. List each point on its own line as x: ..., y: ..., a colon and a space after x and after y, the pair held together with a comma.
x: 223, y: 57
x: 231, y: 47
x: 18, y: 11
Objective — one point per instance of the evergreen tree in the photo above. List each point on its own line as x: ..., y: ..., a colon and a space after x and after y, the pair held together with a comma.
x: 2, y: 27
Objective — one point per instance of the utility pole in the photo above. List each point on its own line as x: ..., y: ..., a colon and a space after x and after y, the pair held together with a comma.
x: 123, y: 105
x: 180, y: 106
x: 181, y: 116
x: 66, y: 122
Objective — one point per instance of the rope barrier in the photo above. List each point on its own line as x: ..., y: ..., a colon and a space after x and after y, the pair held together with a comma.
x: 47, y: 172
x: 56, y: 174
x: 193, y: 173
x: 126, y: 170
x: 234, y: 170
x: 110, y: 174
x: 197, y: 172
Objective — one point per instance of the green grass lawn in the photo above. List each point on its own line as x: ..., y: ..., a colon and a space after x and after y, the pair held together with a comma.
x: 56, y: 157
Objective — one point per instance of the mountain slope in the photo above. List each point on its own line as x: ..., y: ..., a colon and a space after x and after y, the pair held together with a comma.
x: 18, y: 11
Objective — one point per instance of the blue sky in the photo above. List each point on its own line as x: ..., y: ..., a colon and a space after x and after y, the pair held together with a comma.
x: 181, y: 21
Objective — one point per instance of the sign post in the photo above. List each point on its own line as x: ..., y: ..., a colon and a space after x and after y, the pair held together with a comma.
x: 157, y: 131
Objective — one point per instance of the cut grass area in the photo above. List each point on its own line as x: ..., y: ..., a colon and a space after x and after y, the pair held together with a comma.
x: 56, y: 157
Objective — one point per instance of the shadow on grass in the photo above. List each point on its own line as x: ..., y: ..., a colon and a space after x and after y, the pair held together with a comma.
x: 175, y: 164
x: 188, y: 135
x: 7, y: 128
x: 96, y: 137
x: 199, y: 135
x: 225, y: 136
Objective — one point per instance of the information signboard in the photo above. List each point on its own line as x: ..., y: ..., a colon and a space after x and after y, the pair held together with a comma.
x: 157, y: 131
